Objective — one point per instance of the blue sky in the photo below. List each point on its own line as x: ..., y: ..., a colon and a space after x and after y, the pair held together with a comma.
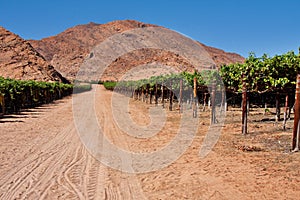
x: 259, y: 26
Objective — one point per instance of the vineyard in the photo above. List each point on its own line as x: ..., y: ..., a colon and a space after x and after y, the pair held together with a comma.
x: 43, y: 157
x: 18, y: 94
x: 265, y: 83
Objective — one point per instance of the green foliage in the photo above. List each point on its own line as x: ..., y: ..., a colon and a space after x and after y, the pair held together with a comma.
x: 109, y: 85
x: 265, y: 74
x: 203, y: 78
x: 77, y: 88
x: 20, y: 93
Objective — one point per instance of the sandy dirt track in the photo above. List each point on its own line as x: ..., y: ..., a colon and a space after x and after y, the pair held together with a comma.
x: 42, y: 157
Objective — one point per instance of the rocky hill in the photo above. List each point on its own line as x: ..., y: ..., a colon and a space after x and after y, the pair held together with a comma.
x: 19, y: 60
x: 221, y: 57
x: 67, y: 50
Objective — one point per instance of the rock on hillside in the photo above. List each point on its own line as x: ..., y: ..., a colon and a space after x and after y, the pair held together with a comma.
x: 67, y: 50
x: 19, y: 60
x: 142, y: 58
x: 221, y: 57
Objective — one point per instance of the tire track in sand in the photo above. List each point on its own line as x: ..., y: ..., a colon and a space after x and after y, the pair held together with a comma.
x: 35, y: 169
x: 62, y: 168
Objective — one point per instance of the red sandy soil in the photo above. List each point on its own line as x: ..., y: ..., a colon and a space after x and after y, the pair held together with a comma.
x: 42, y: 157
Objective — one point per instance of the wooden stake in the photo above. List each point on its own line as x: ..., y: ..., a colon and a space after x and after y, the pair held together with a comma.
x: 277, y: 117
x: 191, y: 100
x: 162, y: 95
x: 285, y: 111
x: 180, y: 97
x: 296, y: 114
x: 143, y: 94
x: 150, y: 95
x: 244, y: 108
x: 138, y: 94
x: 156, y: 95
x: 222, y: 109
x: 195, y: 98
x: 170, y: 96
x: 204, y: 101
x: 132, y: 92
x: 147, y: 92
x: 213, y: 103
x: 195, y: 87
x: 296, y: 149
x: 2, y: 104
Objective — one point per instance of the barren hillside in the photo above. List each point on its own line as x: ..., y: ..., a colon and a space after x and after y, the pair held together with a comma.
x: 67, y: 50
x: 19, y: 60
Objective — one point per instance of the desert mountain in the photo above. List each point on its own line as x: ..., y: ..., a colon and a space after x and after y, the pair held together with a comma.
x: 19, y: 60
x: 67, y: 50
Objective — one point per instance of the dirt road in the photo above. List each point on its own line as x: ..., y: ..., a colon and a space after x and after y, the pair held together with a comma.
x: 42, y: 157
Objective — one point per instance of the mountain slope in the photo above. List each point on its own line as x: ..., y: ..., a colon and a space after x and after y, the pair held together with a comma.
x: 67, y: 50
x: 19, y: 60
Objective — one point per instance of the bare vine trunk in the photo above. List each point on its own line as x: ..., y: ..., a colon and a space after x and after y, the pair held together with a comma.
x: 170, y: 97
x: 180, y: 97
x: 156, y: 94
x: 204, y: 101
x: 286, y: 108
x: 277, y: 107
x: 244, y: 108
x: 162, y: 96
x: 213, y: 103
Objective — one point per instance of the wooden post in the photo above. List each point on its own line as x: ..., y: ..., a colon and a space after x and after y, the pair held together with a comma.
x: 156, y: 95
x: 150, y: 95
x: 2, y: 105
x: 147, y: 92
x: 285, y: 110
x: 191, y: 100
x: 213, y: 103
x: 244, y: 108
x: 296, y: 114
x: 195, y: 98
x: 289, y: 110
x: 132, y: 92
x: 222, y: 109
x: 248, y: 105
x: 162, y: 95
x: 170, y: 96
x: 277, y: 117
x: 143, y: 94
x: 204, y: 101
x: 180, y: 96
x: 195, y: 87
